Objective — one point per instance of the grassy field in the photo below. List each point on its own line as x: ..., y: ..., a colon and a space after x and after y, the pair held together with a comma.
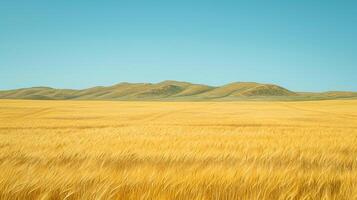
x: 178, y: 150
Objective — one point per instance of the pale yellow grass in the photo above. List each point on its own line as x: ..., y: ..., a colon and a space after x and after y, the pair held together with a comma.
x: 168, y: 150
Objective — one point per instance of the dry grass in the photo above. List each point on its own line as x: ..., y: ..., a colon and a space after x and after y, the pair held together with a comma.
x: 158, y: 150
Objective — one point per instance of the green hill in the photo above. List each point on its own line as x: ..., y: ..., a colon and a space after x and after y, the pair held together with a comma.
x: 174, y: 91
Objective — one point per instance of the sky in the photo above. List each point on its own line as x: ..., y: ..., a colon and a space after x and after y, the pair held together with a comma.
x: 301, y: 45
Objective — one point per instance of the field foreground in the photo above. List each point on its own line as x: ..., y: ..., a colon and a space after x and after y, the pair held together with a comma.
x: 178, y: 150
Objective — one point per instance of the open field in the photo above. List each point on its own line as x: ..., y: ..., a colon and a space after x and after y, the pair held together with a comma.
x: 178, y: 150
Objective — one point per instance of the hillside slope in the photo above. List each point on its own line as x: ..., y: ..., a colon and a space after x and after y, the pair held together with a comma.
x: 172, y: 91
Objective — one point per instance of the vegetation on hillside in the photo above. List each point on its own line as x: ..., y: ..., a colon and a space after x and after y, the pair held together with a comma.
x: 174, y: 91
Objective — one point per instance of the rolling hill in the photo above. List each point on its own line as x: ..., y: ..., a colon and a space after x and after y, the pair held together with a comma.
x: 174, y: 91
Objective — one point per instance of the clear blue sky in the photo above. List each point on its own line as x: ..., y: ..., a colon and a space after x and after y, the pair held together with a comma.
x: 302, y: 45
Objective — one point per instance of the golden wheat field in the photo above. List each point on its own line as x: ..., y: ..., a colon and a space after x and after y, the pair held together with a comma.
x: 178, y: 150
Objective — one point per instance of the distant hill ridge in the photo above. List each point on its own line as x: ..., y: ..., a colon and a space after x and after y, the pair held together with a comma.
x: 174, y: 91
